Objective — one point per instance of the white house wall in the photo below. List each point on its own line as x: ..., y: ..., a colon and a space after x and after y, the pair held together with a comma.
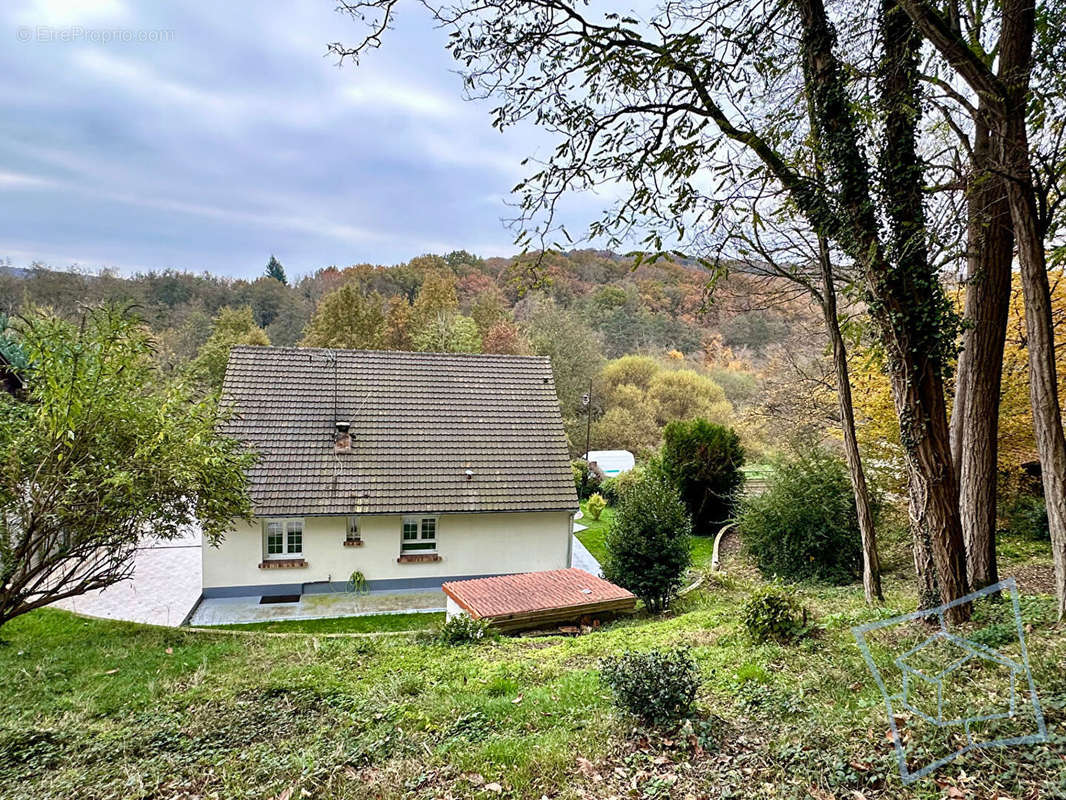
x: 469, y: 545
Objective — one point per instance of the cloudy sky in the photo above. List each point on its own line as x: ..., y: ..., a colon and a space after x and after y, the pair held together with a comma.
x: 228, y: 134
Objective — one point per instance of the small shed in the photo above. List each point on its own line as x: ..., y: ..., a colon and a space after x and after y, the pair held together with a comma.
x: 537, y: 599
x: 611, y: 462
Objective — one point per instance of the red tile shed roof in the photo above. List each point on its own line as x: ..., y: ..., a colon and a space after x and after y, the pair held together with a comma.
x: 533, y: 591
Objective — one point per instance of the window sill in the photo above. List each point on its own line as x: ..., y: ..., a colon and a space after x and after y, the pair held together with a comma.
x: 417, y: 558
x: 353, y: 542
x: 282, y: 563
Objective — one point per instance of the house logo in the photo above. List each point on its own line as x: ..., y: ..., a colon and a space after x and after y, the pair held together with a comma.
x: 948, y: 694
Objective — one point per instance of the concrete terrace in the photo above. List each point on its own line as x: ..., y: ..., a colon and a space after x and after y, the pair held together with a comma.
x: 237, y: 610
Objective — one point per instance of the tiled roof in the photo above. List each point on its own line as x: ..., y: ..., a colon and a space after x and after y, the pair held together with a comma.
x: 533, y: 591
x: 418, y: 422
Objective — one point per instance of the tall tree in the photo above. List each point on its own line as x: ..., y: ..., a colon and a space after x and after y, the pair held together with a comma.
x: 100, y: 452
x: 1007, y: 94
x: 275, y: 270
x: 975, y: 413
x: 348, y: 318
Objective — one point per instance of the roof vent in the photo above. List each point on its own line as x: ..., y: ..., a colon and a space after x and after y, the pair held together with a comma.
x: 342, y: 440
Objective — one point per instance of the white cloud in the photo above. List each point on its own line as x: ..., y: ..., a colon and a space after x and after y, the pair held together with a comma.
x: 375, y: 94
x: 20, y: 180
x: 57, y: 13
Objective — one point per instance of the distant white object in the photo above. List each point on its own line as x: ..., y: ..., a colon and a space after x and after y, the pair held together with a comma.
x: 612, y: 462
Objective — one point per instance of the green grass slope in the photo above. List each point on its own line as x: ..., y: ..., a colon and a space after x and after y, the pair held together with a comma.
x: 96, y: 709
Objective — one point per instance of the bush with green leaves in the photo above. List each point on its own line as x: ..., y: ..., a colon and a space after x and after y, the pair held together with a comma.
x: 703, y: 461
x: 609, y: 490
x: 464, y: 629
x: 587, y: 478
x: 804, y: 525
x: 595, y: 505
x: 612, y: 489
x: 658, y: 686
x: 1027, y: 516
x: 772, y: 613
x: 648, y: 542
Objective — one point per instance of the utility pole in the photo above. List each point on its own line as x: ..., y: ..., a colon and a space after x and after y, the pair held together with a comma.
x: 587, y: 402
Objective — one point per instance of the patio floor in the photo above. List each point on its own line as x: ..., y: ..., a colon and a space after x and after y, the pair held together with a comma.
x: 163, y: 590
x: 236, y: 610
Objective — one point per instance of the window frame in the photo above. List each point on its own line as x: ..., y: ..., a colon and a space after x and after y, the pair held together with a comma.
x: 287, y: 552
x: 420, y: 542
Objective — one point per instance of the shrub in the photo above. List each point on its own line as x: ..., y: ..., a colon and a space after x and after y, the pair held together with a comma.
x: 648, y: 542
x: 658, y: 686
x: 805, y: 524
x: 595, y: 505
x: 463, y: 629
x: 1027, y: 516
x: 703, y: 461
x: 773, y: 614
x: 587, y: 479
x: 612, y: 489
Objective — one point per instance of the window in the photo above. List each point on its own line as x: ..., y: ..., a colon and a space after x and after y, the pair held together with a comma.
x: 284, y: 538
x: 419, y: 535
x: 352, y: 532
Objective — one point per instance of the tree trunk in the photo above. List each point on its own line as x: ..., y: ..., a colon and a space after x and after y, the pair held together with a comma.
x: 904, y: 293
x: 871, y: 562
x: 922, y: 548
x: 975, y: 418
x: 914, y: 312
x: 1015, y: 66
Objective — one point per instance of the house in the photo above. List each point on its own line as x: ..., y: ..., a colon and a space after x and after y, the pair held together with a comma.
x: 410, y: 468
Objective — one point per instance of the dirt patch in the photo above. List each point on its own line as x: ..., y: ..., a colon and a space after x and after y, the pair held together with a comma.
x: 1032, y: 578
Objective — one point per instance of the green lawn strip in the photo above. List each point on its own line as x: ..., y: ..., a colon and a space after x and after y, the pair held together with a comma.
x: 593, y: 538
x: 369, y: 623
x: 97, y: 708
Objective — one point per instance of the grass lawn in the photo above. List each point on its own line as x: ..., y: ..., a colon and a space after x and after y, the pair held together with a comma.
x: 371, y: 623
x: 593, y: 539
x: 97, y: 709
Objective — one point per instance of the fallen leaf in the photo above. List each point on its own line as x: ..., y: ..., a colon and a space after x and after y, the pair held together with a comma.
x: 495, y: 788
x: 474, y: 779
x: 517, y: 700
x: 286, y: 794
x: 585, y: 766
